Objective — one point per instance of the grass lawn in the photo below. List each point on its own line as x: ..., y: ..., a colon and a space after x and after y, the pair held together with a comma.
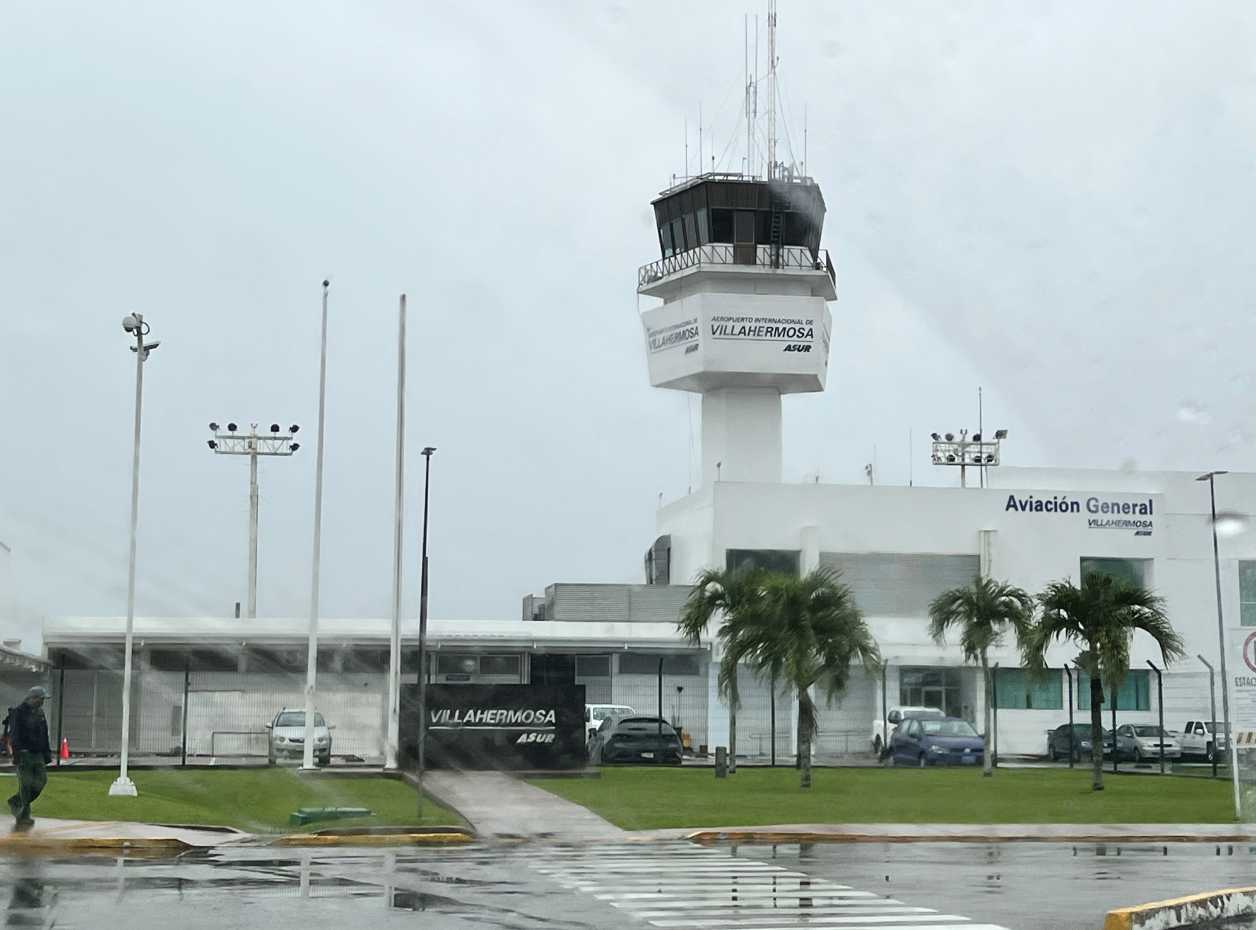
x: 649, y: 798
x: 256, y: 800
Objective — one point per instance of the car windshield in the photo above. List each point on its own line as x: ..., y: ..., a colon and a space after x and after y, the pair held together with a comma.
x: 601, y: 713
x: 1081, y: 729
x: 644, y: 723
x: 947, y: 728
x: 296, y: 718
x: 1146, y: 730
x: 1217, y: 727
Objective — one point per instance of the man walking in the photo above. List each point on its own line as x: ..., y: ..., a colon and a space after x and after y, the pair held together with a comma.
x: 28, y: 741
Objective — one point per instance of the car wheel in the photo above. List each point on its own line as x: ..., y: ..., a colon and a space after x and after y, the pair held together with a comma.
x: 1051, y: 753
x: 1211, y: 753
x: 324, y: 760
x: 924, y: 761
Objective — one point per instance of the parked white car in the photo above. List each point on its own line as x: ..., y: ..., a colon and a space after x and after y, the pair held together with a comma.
x: 879, y: 740
x: 287, y: 737
x: 1204, y: 738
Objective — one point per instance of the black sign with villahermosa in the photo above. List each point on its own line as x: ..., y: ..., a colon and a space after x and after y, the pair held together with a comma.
x: 496, y: 726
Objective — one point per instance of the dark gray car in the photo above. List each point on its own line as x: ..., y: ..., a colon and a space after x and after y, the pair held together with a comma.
x: 636, y: 739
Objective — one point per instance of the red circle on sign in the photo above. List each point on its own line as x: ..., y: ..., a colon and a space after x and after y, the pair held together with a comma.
x: 1249, y: 651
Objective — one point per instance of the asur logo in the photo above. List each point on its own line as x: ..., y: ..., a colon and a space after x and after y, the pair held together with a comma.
x: 535, y: 738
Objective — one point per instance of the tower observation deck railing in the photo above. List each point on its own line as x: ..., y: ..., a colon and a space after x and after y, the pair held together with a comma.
x: 784, y: 258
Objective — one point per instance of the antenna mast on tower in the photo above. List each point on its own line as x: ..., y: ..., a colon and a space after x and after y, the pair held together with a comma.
x: 771, y: 89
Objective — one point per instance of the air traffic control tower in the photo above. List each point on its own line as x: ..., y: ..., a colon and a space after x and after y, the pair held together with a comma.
x: 745, y: 319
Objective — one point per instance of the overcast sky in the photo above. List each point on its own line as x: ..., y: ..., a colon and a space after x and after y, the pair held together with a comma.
x: 1052, y: 201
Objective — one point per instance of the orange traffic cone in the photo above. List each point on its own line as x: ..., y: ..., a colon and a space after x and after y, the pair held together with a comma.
x: 65, y: 749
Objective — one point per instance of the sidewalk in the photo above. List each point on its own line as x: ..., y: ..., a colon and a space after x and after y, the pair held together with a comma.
x: 111, y: 834
x: 966, y: 833
x: 499, y: 805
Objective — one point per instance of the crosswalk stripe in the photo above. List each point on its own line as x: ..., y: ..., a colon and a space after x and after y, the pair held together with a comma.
x: 699, y: 896
x: 869, y: 920
x: 756, y: 912
x: 675, y: 886
x: 689, y: 890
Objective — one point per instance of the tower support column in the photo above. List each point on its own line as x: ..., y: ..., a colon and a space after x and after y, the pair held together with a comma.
x: 741, y: 435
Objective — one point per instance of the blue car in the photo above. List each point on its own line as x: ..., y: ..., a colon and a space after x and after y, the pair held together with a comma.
x: 938, y: 741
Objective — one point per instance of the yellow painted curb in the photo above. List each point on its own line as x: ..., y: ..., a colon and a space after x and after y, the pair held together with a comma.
x: 1209, y: 905
x: 24, y: 841
x: 372, y: 839
x: 759, y: 836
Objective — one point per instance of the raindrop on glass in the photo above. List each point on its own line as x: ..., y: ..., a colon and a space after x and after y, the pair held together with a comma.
x: 1191, y: 412
x: 1231, y: 524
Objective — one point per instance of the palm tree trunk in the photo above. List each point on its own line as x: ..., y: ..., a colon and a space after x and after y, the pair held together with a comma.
x: 732, y: 739
x: 987, y: 755
x: 804, y: 739
x: 1096, y: 731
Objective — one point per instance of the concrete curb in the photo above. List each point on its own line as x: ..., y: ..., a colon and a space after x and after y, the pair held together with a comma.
x: 1184, y: 912
x: 446, y: 837
x: 802, y: 836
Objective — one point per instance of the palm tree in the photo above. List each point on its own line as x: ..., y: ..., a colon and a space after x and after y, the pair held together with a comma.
x: 805, y: 631
x: 982, y: 612
x: 724, y: 594
x: 1101, y: 617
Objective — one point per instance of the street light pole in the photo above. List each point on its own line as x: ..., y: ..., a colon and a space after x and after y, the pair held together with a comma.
x: 1225, y: 681
x: 134, y: 325
x: 427, y: 474
x: 311, y: 659
x: 253, y: 445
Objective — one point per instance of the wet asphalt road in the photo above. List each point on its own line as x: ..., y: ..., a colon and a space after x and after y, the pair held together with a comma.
x: 675, y: 886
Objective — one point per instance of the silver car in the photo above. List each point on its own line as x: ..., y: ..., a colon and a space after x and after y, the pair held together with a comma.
x: 1141, y: 742
x: 287, y: 737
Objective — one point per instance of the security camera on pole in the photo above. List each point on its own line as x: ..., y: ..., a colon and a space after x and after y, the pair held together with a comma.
x: 233, y: 442
x: 133, y: 324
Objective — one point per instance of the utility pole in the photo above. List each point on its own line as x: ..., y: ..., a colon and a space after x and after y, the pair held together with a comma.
x: 392, y: 734
x: 427, y: 475
x: 232, y: 442
x: 311, y: 657
x: 133, y: 324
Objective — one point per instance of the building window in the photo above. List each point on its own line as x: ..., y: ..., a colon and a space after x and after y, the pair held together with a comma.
x: 1247, y: 593
x: 900, y: 584
x: 784, y: 561
x: 1132, y: 571
x: 449, y: 663
x: 499, y: 665
x: 593, y: 666
x: 1016, y: 689
x: 647, y: 663
x: 930, y: 687
x: 1134, y: 693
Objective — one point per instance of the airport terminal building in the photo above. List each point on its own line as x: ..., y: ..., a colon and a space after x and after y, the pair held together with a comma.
x: 740, y: 314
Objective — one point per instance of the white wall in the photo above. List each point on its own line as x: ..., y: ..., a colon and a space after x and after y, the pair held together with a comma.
x: 1029, y: 549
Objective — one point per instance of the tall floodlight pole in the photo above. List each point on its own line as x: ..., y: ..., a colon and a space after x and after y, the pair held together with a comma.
x: 311, y: 660
x: 427, y: 474
x: 133, y: 324
x: 393, y: 733
x: 1225, y: 681
x: 232, y: 442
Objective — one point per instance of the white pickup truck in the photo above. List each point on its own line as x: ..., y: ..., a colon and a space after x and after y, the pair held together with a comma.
x: 1204, y: 738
